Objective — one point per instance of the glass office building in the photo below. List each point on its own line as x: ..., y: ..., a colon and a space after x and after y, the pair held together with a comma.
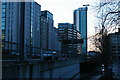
x: 49, y: 35
x: 49, y: 25
x: 80, y: 20
x: 21, y: 28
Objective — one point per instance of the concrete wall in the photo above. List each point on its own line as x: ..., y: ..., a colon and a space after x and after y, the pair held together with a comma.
x: 41, y: 70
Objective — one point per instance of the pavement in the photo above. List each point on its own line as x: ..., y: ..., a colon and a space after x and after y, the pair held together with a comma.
x: 91, y: 76
x: 95, y: 77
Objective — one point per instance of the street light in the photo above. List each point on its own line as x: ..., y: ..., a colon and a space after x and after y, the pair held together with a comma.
x: 86, y: 5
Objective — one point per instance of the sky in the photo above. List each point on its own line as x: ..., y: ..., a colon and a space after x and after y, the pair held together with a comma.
x: 63, y: 11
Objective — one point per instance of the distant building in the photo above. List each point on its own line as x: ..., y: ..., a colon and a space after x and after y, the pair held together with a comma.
x: 66, y: 32
x: 114, y: 45
x: 49, y: 34
x: 44, y: 33
x: 21, y: 28
x: 49, y: 17
x: 79, y: 46
x: 57, y: 43
x: 80, y: 20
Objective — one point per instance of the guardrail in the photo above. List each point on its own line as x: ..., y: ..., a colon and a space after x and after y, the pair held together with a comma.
x: 12, y: 50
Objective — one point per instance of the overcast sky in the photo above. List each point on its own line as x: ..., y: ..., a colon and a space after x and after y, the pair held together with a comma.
x: 63, y: 11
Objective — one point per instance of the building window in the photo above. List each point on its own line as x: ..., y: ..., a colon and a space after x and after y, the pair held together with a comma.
x: 3, y: 24
x: 3, y: 10
x: 3, y: 28
x: 3, y: 6
x: 3, y: 19
x: 3, y: 15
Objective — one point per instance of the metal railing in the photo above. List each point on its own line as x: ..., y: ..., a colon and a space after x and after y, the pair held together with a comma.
x: 12, y: 50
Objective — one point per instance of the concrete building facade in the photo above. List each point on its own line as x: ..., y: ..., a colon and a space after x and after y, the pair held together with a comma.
x: 67, y: 32
x: 114, y: 46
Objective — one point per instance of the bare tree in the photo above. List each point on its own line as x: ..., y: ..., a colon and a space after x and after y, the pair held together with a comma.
x: 108, y: 16
x: 95, y: 42
x: 108, y: 19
